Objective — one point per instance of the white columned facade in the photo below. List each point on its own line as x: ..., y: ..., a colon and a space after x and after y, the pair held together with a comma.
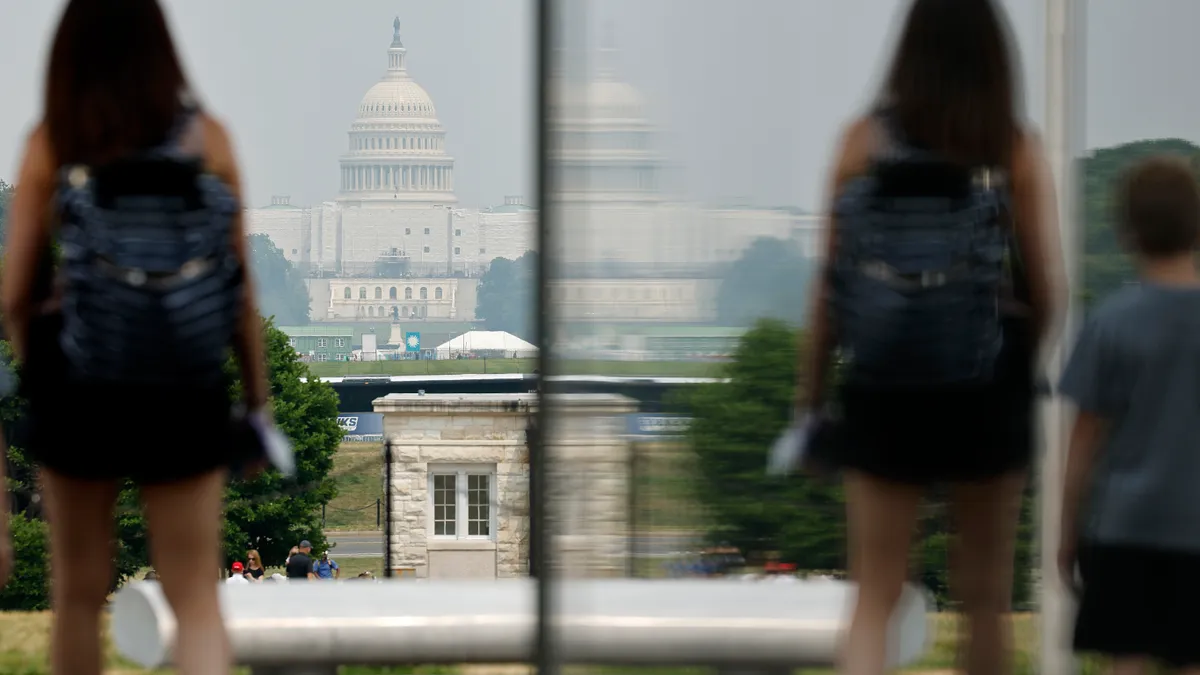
x: 396, y: 152
x: 1065, y: 82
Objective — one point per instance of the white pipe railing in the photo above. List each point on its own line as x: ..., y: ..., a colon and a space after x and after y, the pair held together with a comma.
x: 739, y: 625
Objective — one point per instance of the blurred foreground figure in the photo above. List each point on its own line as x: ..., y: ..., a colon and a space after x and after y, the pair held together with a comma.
x: 1130, y: 514
x: 140, y: 188
x: 940, y: 282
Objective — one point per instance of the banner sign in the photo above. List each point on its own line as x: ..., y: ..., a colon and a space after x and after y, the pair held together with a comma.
x: 641, y: 424
x: 412, y: 342
x: 361, y: 427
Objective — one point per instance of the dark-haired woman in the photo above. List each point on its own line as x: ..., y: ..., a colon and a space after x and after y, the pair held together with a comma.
x: 115, y: 88
x: 952, y: 91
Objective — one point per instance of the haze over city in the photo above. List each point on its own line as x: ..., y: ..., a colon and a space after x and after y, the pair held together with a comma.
x: 749, y: 96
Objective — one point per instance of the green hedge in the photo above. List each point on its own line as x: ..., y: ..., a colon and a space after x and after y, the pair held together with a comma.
x: 28, y: 589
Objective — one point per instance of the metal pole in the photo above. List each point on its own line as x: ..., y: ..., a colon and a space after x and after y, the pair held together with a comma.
x: 546, y: 647
x: 633, y: 536
x: 1065, y: 29
x: 387, y: 514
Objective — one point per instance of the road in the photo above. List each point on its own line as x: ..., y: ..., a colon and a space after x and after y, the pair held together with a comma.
x: 356, y: 544
x: 370, y: 544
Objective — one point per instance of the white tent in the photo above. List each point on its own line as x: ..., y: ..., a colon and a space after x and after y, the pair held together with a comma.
x: 493, y: 341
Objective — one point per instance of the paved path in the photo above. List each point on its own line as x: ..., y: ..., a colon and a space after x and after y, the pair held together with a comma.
x: 356, y: 544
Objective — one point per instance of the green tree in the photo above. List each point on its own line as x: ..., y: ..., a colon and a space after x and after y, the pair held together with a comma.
x: 803, y: 518
x: 770, y: 280
x: 1105, y: 266
x: 280, y: 286
x: 270, y: 513
x: 506, y: 295
x: 734, y: 422
x: 6, y: 195
x: 28, y: 589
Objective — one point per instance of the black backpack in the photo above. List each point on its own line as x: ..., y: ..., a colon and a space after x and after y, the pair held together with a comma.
x: 152, y: 288
x: 920, y: 267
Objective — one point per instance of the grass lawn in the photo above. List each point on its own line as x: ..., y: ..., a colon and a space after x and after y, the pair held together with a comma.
x: 357, y: 472
x: 501, y: 366
x: 24, y: 638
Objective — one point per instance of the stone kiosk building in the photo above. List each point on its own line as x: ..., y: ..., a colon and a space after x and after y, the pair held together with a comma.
x: 460, y: 483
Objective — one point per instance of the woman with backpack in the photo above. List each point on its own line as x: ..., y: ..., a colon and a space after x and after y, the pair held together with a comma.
x: 942, y: 277
x: 140, y: 189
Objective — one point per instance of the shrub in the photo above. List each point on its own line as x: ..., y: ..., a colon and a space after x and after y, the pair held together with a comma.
x: 28, y: 588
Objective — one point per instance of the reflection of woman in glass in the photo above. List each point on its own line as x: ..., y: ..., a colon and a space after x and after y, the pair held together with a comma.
x: 115, y: 89
x: 951, y: 90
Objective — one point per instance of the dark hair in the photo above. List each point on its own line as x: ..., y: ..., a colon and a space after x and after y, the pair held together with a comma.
x: 114, y: 83
x: 1158, y: 207
x: 952, y: 85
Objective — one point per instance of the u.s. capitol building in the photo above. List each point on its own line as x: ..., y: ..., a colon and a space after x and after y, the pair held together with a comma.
x: 395, y: 236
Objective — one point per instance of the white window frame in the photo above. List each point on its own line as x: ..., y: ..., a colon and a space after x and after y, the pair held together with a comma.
x: 322, y: 342
x: 339, y: 342
x: 461, y: 522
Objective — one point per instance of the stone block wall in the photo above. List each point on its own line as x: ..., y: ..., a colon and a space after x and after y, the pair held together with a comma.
x: 588, y: 489
x: 463, y: 430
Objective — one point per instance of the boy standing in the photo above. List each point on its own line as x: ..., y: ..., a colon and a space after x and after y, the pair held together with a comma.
x: 1131, y: 508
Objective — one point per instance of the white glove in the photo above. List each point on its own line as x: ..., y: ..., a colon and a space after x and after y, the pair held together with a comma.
x: 790, y: 449
x: 275, y: 445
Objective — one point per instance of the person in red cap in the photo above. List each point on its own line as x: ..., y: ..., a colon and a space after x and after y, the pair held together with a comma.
x: 237, y: 574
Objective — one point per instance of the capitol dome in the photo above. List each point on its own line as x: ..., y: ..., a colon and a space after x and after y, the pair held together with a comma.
x: 611, y: 99
x: 397, y: 149
x: 392, y: 99
x: 605, y: 142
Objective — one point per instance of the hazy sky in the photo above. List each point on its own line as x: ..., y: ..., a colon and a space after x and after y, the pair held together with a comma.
x: 749, y: 94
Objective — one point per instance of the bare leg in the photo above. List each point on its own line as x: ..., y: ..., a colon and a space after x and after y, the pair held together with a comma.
x: 881, y: 517
x: 986, y: 516
x: 81, y: 568
x: 184, y: 521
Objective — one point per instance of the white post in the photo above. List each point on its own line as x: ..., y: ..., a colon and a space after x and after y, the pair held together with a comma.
x: 1064, y: 132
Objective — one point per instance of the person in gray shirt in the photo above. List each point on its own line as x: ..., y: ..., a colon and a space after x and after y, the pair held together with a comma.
x: 1131, y: 509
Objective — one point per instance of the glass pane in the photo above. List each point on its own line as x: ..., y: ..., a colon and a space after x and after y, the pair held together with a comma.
x: 480, y: 528
x: 688, y: 216
x: 479, y: 499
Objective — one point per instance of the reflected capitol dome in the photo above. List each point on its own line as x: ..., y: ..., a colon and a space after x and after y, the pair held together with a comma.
x: 393, y: 241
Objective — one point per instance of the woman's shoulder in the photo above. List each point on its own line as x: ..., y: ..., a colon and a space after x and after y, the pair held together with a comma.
x: 860, y: 134
x: 1027, y: 152
x: 857, y: 145
x: 39, y: 150
x: 218, y: 148
x: 214, y: 128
